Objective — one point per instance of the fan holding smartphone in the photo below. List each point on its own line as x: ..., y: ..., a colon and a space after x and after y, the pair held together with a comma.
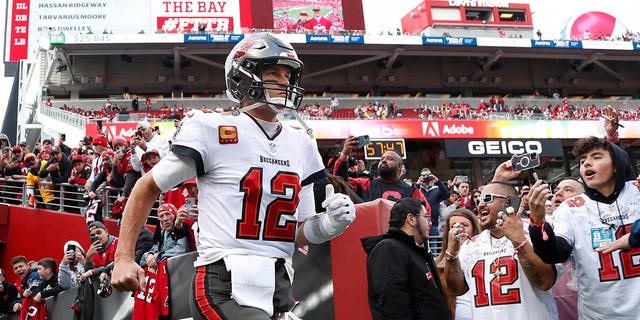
x: 526, y: 161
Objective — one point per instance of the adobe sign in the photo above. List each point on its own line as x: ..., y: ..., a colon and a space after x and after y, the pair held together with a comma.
x: 502, y: 148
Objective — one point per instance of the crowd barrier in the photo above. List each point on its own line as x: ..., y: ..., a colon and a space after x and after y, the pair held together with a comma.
x: 53, y: 228
x: 69, y: 198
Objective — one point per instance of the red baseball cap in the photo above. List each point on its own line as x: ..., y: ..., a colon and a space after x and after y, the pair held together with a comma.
x: 77, y: 158
x: 149, y: 151
x: 190, y: 181
x: 100, y: 140
x: 168, y: 207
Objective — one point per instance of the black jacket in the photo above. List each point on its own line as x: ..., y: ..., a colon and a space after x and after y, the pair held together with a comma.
x: 58, y: 176
x: 7, y: 297
x: 403, y: 279
x: 51, y: 287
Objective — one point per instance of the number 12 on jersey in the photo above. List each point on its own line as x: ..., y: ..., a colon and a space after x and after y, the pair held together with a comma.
x: 251, y: 185
x: 505, y: 272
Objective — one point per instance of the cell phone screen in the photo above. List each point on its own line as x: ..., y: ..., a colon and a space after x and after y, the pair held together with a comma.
x: 362, y: 141
x: 189, y: 202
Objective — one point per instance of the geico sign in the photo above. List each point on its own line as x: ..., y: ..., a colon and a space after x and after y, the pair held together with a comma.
x: 504, y: 147
x: 453, y: 129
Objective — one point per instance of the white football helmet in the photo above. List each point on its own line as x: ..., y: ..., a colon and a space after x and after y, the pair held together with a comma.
x: 243, y: 69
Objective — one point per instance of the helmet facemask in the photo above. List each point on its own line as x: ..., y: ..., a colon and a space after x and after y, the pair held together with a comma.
x: 247, y: 84
x: 244, y: 69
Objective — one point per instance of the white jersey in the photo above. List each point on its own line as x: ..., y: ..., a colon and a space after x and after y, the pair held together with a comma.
x: 157, y: 142
x: 509, y: 295
x: 253, y: 189
x: 607, y: 283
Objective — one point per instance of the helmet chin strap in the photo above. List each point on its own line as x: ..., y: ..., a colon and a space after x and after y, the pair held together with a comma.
x: 276, y: 105
x: 304, y: 124
x: 237, y: 112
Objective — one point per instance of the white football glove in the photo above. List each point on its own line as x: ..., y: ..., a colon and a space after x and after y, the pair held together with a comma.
x: 340, y: 208
x: 340, y: 212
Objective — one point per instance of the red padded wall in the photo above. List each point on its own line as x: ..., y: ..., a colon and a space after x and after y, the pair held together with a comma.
x: 349, y: 260
x: 39, y: 233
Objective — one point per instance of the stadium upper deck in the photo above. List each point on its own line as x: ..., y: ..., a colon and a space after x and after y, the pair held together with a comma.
x: 476, y: 48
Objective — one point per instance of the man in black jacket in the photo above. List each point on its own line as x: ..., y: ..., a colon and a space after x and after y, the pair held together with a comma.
x: 59, y: 169
x: 8, y: 294
x: 402, y: 277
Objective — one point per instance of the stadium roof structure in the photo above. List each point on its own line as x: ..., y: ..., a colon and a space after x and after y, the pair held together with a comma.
x: 420, y: 64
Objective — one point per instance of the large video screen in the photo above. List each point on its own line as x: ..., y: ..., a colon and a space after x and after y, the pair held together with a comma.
x: 302, y: 16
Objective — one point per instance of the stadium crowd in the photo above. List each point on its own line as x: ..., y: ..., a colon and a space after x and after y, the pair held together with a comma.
x: 563, y: 109
x: 520, y: 246
x: 96, y: 164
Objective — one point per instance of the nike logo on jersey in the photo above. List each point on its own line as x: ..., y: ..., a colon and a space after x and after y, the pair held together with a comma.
x: 228, y: 134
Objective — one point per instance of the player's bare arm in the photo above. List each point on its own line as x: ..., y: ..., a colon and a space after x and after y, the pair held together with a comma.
x: 127, y: 275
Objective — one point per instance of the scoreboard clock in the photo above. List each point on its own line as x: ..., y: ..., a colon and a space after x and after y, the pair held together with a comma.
x: 377, y: 147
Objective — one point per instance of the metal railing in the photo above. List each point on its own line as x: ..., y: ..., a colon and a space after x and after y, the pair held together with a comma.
x: 74, y: 119
x: 70, y: 198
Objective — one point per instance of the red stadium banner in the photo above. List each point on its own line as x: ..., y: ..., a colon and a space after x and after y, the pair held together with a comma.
x: 186, y: 24
x: 422, y: 129
x: 18, y: 39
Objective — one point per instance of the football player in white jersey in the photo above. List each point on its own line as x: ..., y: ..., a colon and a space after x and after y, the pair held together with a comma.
x: 587, y: 223
x: 506, y: 278
x: 255, y: 179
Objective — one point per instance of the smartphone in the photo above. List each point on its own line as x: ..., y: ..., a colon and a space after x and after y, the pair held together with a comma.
x: 94, y: 239
x: 463, y: 179
x: 189, y: 202
x: 362, y: 141
x: 427, y: 176
x: 525, y: 161
x: 72, y: 248
x: 513, y: 203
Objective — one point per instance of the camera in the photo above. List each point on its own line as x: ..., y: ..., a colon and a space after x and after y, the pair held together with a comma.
x: 362, y: 141
x: 525, y: 161
x: 463, y: 179
x: 105, y: 289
